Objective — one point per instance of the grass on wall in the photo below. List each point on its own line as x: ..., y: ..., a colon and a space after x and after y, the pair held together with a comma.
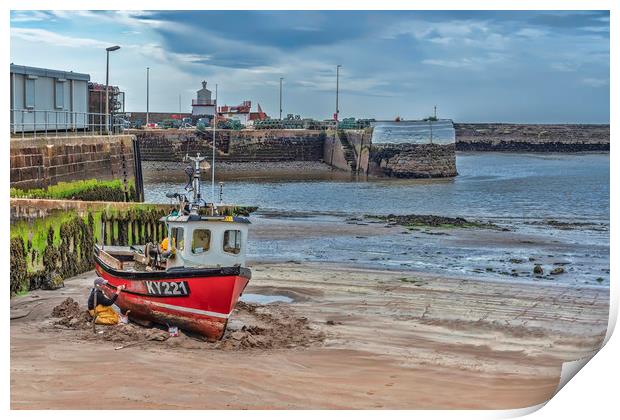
x: 87, y: 190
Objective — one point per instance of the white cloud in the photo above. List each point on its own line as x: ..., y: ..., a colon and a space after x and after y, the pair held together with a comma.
x: 56, y: 39
x: 531, y: 33
x: 595, y: 29
x: 424, y: 30
x: 132, y: 18
x: 29, y: 16
x: 470, y: 33
x: 463, y: 62
x: 466, y: 62
x: 151, y: 51
x: 595, y: 82
x: 565, y: 66
x: 159, y: 53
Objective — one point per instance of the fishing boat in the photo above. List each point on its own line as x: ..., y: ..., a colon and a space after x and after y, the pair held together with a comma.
x: 195, y: 281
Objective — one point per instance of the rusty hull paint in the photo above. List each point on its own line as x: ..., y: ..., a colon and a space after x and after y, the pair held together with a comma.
x: 212, y: 328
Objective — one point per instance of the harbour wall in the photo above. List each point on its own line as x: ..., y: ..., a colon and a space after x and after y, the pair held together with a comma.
x: 45, y: 161
x: 41, y: 162
x: 502, y: 137
x: 407, y: 160
x: 232, y: 145
x: 348, y: 150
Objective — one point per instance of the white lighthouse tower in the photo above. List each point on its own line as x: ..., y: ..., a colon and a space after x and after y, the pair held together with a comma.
x: 203, y: 105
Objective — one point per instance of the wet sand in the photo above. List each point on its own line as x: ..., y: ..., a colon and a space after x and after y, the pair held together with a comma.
x: 155, y: 171
x: 391, y: 339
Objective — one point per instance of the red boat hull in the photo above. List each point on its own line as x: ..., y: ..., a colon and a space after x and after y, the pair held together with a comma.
x: 205, y: 301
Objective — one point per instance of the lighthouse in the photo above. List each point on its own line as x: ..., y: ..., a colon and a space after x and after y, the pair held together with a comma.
x: 203, y: 105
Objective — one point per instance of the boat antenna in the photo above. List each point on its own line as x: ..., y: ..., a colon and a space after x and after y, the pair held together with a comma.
x: 213, y: 150
x: 195, y: 204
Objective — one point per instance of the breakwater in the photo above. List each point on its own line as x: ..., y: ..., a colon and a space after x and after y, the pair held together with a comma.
x: 565, y: 138
x: 407, y: 160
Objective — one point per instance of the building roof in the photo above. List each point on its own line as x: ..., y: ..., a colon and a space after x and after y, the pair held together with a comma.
x: 204, y: 88
x: 56, y: 74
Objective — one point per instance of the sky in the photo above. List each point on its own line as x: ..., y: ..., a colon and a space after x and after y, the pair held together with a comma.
x: 475, y: 66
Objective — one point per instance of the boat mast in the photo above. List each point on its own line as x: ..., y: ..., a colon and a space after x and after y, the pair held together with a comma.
x: 195, y: 204
x: 213, y: 152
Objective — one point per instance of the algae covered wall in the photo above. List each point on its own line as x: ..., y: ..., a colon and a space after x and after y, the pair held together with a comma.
x: 52, y: 240
x: 232, y: 145
x: 45, y: 161
x: 408, y: 160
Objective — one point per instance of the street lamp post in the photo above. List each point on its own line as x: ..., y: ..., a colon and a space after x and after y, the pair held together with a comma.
x: 281, y: 78
x: 147, y: 97
x: 107, y: 85
x: 337, y: 89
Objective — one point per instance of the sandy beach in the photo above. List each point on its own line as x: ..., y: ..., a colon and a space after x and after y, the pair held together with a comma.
x: 384, y: 339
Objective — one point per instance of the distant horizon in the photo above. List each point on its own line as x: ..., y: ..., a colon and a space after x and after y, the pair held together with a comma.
x: 514, y: 67
x: 413, y: 119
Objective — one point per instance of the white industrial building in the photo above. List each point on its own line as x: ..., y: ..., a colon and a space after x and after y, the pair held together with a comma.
x: 44, y: 99
x: 203, y: 104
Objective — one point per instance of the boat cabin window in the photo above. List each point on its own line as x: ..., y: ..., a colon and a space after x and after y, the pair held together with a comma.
x: 176, y: 233
x: 232, y: 241
x: 201, y: 239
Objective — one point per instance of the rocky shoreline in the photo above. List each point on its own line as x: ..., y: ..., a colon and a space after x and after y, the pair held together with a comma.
x: 537, y: 138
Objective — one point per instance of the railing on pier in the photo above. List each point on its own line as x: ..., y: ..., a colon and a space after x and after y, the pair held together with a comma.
x: 34, y: 122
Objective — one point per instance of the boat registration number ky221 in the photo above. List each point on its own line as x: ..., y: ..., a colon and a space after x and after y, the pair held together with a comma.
x: 167, y: 288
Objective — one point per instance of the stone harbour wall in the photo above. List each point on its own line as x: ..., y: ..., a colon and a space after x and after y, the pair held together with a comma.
x: 232, y: 145
x: 348, y: 150
x: 566, y: 138
x: 360, y: 141
x: 413, y: 160
x: 276, y: 145
x: 45, y: 161
x: 172, y: 145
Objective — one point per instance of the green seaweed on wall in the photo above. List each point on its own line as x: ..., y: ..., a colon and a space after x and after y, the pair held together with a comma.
x: 84, y: 190
x: 46, y: 250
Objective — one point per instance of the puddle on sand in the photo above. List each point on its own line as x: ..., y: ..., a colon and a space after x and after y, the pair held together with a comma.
x: 264, y: 299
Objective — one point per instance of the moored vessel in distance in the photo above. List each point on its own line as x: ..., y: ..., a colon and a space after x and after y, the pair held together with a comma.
x: 194, y: 278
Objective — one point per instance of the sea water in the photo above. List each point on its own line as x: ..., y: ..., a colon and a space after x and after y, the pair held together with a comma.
x: 519, y: 191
